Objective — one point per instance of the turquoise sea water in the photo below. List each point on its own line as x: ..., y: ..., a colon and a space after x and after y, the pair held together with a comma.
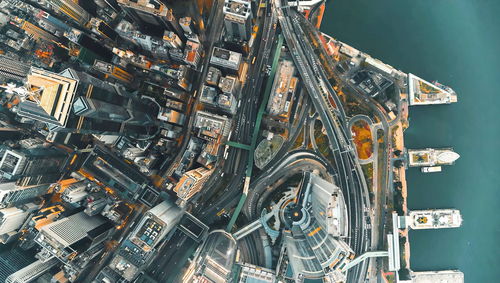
x: 456, y: 42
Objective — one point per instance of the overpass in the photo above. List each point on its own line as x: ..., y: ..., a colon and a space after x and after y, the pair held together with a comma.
x: 333, y: 117
x: 262, y: 108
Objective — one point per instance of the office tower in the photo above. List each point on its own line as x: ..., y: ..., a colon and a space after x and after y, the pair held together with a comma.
x: 110, y: 71
x: 192, y: 53
x: 213, y: 76
x: 237, y: 19
x: 72, y: 235
x: 75, y: 192
x: 11, y: 219
x: 86, y: 49
x: 155, y: 225
x: 71, y: 9
x: 191, y: 183
x: 181, y: 75
x: 172, y: 40
x: 125, y: 179
x: 12, y: 194
x: 176, y: 54
x: 76, y: 102
x: 32, y: 271
x: 210, y: 126
x: 139, y: 248
x: 229, y: 85
x: 186, y: 24
x: 29, y: 163
x: 34, y: 31
x: 215, y: 259
x: 12, y: 260
x: 226, y: 59
x: 12, y: 69
x: 151, y: 15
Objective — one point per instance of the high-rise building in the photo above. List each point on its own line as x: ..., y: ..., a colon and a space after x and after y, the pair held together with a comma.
x: 192, y: 53
x: 172, y: 40
x: 72, y: 235
x: 71, y: 9
x: 191, y: 183
x: 11, y: 219
x: 125, y: 179
x: 237, y: 19
x: 32, y: 271
x: 113, y: 72
x: 12, y: 69
x: 186, y: 24
x: 31, y: 164
x: 211, y: 126
x: 225, y: 58
x: 150, y: 15
x: 213, y: 76
x: 34, y: 31
x: 139, y: 248
x: 228, y: 84
x: 215, y: 259
x: 86, y: 49
x: 12, y: 260
x: 76, y: 102
x: 12, y: 194
x: 155, y: 225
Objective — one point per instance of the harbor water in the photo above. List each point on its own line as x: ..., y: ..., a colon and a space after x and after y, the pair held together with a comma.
x: 456, y: 42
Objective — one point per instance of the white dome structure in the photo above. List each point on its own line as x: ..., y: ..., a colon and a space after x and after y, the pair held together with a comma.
x: 448, y: 157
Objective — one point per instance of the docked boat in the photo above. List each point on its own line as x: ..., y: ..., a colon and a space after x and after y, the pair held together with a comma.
x: 431, y: 169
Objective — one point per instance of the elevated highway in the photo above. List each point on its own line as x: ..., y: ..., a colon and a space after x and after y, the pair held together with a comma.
x: 350, y: 177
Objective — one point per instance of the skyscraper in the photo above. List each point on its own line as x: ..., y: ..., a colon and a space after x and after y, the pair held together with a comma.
x: 12, y: 69
x: 34, y: 31
x: 29, y: 163
x: 191, y: 183
x: 151, y: 15
x: 71, y: 9
x: 12, y: 194
x: 32, y: 271
x: 11, y: 219
x: 237, y: 19
x: 72, y: 235
x: 76, y: 102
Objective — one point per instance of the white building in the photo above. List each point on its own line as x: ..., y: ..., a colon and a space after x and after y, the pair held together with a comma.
x: 226, y: 58
x: 32, y: 271
x: 237, y: 19
x: 11, y: 194
x: 172, y: 40
x: 11, y: 219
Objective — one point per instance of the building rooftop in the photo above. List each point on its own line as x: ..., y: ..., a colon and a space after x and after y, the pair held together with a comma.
x: 238, y: 7
x: 54, y: 93
x: 228, y: 84
x: 215, y: 259
x: 226, y: 58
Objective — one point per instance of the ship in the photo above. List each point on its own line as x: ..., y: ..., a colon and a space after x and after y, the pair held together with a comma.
x: 435, y: 219
x: 431, y: 169
x: 430, y: 157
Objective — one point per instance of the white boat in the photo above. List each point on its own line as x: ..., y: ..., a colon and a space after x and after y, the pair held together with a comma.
x: 432, y: 169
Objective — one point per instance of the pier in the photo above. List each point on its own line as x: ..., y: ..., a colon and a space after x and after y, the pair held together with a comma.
x: 423, y: 92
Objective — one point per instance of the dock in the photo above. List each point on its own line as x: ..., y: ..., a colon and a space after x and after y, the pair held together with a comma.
x: 444, y: 276
x: 423, y: 92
